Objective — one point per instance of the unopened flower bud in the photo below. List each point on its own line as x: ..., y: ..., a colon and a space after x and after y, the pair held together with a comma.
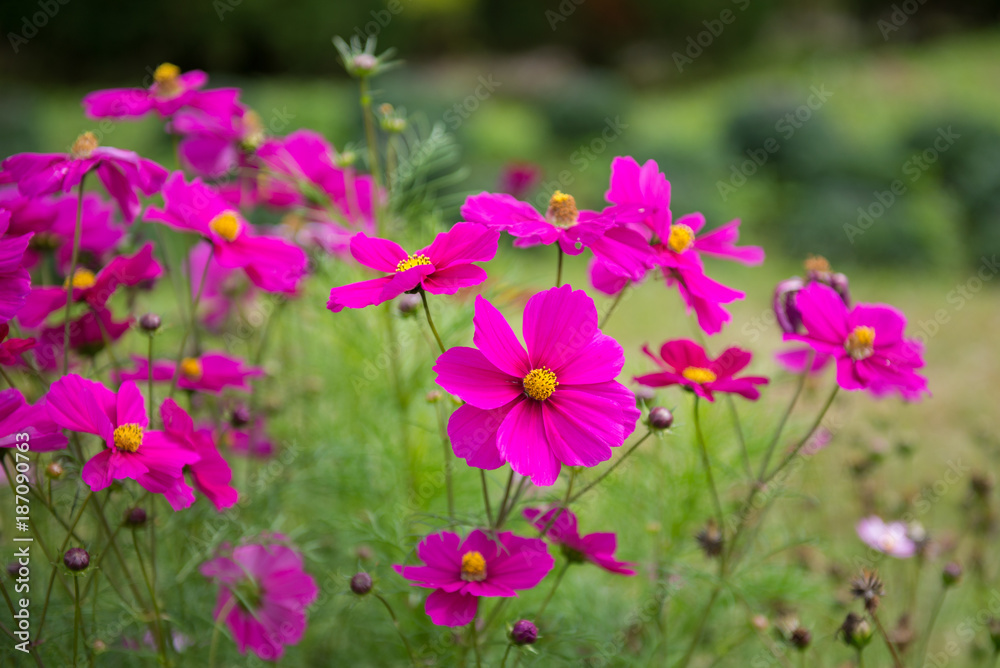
x: 660, y: 418
x: 800, y: 638
x: 76, y: 559
x: 150, y: 322
x: 710, y: 539
x: 789, y: 318
x: 363, y: 64
x: 99, y: 646
x: 361, y: 583
x: 135, y: 517
x: 433, y: 396
x: 12, y: 569
x: 951, y: 574
x: 644, y: 394
x: 54, y: 470
x: 345, y: 158
x: 240, y: 417
x: 408, y: 304
x: 856, y: 631
x: 364, y: 552
x: 524, y: 632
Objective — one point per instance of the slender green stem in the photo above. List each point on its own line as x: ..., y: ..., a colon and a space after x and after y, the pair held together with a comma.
x: 700, y: 629
x: 614, y: 305
x: 76, y: 616
x: 798, y: 446
x: 161, y: 641
x: 475, y: 643
x: 738, y: 428
x: 118, y: 553
x: 896, y: 661
x: 192, y: 324
x: 611, y: 468
x: 559, y: 265
x: 74, y: 259
x: 10, y: 604
x: 563, y: 506
x: 402, y: 636
x: 502, y: 514
x: 784, y: 419
x: 555, y: 585
x: 55, y: 568
x: 219, y: 621
x: 707, y: 465
x: 430, y: 320
x: 370, y: 139
x: 925, y: 641
x: 446, y: 447
x: 503, y: 663
x: 486, y: 497
x: 861, y: 659
x: 149, y: 386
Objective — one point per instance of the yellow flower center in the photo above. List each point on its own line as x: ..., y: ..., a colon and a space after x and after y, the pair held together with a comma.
x: 226, y: 225
x: 562, y: 211
x: 166, y: 79
x: 413, y: 261
x: 82, y: 278
x: 698, y: 374
x: 191, y: 368
x: 539, y: 384
x: 473, y: 567
x: 128, y: 437
x: 861, y: 343
x: 84, y: 145
x: 681, y: 238
x: 817, y: 264
x: 888, y: 542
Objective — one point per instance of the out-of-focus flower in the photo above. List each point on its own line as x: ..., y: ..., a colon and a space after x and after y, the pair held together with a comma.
x: 892, y: 539
x: 517, y: 179
x: 211, y: 372
x: 170, y: 92
x: 597, y: 548
x: 684, y: 362
x: 211, y: 473
x: 21, y: 422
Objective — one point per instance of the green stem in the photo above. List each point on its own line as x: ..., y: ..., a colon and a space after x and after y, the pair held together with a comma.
x: 161, y: 641
x: 925, y: 642
x: 76, y: 616
x: 861, y: 659
x: 226, y: 609
x: 430, y: 320
x: 192, y: 324
x: 502, y: 514
x: 707, y: 465
x: 446, y: 447
x: 896, y: 661
x: 784, y: 418
x: 55, y: 568
x: 74, y: 258
x: 614, y: 305
x: 699, y: 630
x: 555, y: 585
x: 611, y: 468
x: 563, y: 506
x: 149, y: 386
x: 738, y: 428
x: 402, y: 636
x: 475, y: 643
x: 486, y: 497
x: 559, y: 265
x: 370, y: 139
x: 503, y: 663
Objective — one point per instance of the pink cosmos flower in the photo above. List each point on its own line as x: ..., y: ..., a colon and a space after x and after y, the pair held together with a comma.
x: 251, y: 440
x: 892, y: 539
x: 264, y: 592
x: 271, y: 264
x: 226, y: 291
x: 797, y: 358
x: 558, y: 403
x: 597, y: 548
x: 94, y: 289
x: 866, y: 341
x: 88, y: 335
x: 603, y: 232
x: 122, y: 172
x: 171, y: 91
x: 441, y: 268
x: 15, y: 281
x: 52, y: 220
x: 460, y: 571
x: 518, y: 178
x: 148, y: 457
x: 683, y: 362
x: 211, y: 372
x: 21, y: 422
x: 211, y: 474
x: 215, y: 144
x: 12, y: 349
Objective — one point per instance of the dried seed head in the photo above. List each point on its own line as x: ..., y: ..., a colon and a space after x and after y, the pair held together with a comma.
x: 868, y: 587
x: 710, y: 539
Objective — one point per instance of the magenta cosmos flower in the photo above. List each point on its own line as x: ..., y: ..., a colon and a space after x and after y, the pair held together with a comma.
x: 264, y: 592
x: 15, y: 281
x: 122, y: 172
x: 171, y: 90
x: 251, y: 440
x: 94, y: 289
x: 12, y: 349
x: 211, y: 372
x: 21, y: 422
x: 597, y: 548
x: 271, y: 264
x: 442, y: 268
x: 866, y: 340
x: 892, y: 539
x: 683, y: 362
x: 211, y: 474
x: 460, y: 571
x: 558, y: 403
x: 148, y: 457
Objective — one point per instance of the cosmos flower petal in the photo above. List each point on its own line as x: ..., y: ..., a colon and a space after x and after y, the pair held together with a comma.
x: 496, y: 340
x: 473, y: 434
x: 468, y: 374
x: 523, y: 442
x: 451, y: 609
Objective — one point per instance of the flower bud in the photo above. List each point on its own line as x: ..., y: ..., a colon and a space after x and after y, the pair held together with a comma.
x: 408, y: 304
x: 660, y: 418
x: 135, y: 517
x: 524, y: 632
x: 240, y: 417
x: 363, y: 64
x: 951, y: 575
x: 100, y: 646
x: 856, y: 631
x: 150, y: 322
x: 13, y: 568
x: 789, y: 318
x: 644, y: 394
x: 364, y: 552
x: 361, y: 583
x: 54, y: 470
x: 710, y: 540
x: 433, y: 396
x: 345, y: 158
x: 800, y: 638
x: 76, y: 559
x: 994, y: 627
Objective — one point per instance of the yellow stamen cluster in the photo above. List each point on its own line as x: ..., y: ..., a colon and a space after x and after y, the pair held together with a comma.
x: 413, y: 261
x: 166, y: 79
x: 861, y: 343
x: 698, y: 374
x: 84, y: 145
x: 562, y: 211
x: 681, y: 238
x: 83, y: 278
x: 540, y: 383
x: 817, y: 264
x: 473, y: 567
x: 128, y: 437
x: 191, y: 368
x: 226, y: 225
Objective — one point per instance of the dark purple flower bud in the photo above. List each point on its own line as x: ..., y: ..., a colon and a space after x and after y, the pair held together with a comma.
x: 951, y: 574
x: 361, y: 583
x: 76, y: 559
x: 839, y: 283
x: 150, y: 322
x: 660, y: 418
x: 135, y: 517
x: 13, y: 568
x: 789, y: 318
x: 408, y: 304
x: 240, y: 417
x: 800, y: 638
x: 524, y: 632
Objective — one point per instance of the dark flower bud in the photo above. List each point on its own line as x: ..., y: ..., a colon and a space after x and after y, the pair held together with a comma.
x: 868, y: 587
x: 135, y: 517
x: 364, y: 552
x: 13, y: 568
x: 951, y: 574
x: 710, y: 540
x: 800, y: 638
x: 150, y: 323
x: 54, y: 470
x: 361, y: 583
x: 660, y: 418
x: 981, y: 484
x: 240, y: 417
x: 76, y: 559
x: 408, y: 304
x: 856, y: 631
x: 789, y: 318
x: 524, y: 632
x: 994, y: 627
